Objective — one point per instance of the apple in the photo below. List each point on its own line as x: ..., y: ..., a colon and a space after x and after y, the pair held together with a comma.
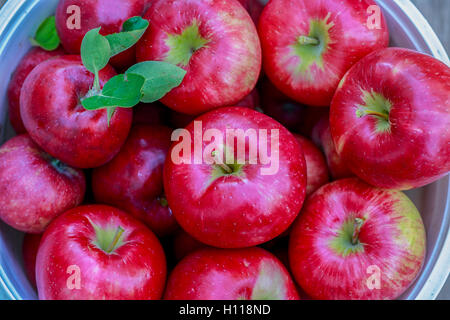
x: 254, y: 8
x: 181, y: 120
x: 230, y: 274
x: 214, y: 41
x: 316, y: 166
x: 35, y: 187
x: 184, y: 244
x: 336, y: 164
x: 97, y: 252
x: 150, y: 113
x: 391, y: 125
x: 74, y: 18
x: 309, y: 45
x: 133, y: 180
x: 241, y: 201
x: 34, y: 57
x: 29, y: 251
x: 54, y: 117
x: 355, y: 241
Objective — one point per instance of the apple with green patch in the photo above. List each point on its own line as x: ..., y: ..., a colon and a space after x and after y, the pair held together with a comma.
x: 217, y: 44
x: 99, y: 252
x: 391, y: 125
x: 227, y: 274
x: 309, y: 45
x: 235, y: 178
x: 355, y: 241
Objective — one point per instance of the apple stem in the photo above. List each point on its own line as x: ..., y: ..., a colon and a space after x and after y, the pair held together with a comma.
x: 356, y: 230
x: 225, y: 167
x: 305, y: 40
x: 97, y: 82
x: 117, y: 236
x: 376, y: 113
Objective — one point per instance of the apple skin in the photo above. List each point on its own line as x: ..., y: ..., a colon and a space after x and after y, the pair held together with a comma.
x: 392, y: 238
x: 29, y: 252
x: 34, y: 57
x: 107, y: 14
x: 220, y: 72
x: 133, y: 180
x: 181, y: 120
x: 34, y: 187
x: 336, y: 164
x: 59, y: 124
x: 316, y: 166
x: 135, y: 270
x: 309, y: 73
x: 230, y: 274
x: 244, y: 208
x: 410, y: 149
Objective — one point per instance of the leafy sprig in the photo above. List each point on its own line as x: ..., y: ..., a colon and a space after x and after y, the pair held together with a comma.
x: 144, y: 82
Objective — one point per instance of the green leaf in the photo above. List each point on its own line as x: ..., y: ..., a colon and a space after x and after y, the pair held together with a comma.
x: 46, y: 35
x: 160, y: 78
x: 123, y: 90
x: 95, y: 53
x: 132, y: 31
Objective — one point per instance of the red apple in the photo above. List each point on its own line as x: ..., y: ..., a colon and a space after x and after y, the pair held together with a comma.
x: 181, y: 120
x: 35, y: 187
x: 150, y: 113
x: 107, y: 14
x: 133, y: 180
x: 99, y: 252
x: 254, y: 8
x: 54, y: 117
x: 230, y: 274
x: 241, y: 201
x: 309, y: 45
x: 26, y: 65
x: 184, y: 244
x: 355, y: 241
x: 214, y: 41
x: 316, y: 166
x: 391, y: 125
x: 29, y: 251
x: 336, y: 164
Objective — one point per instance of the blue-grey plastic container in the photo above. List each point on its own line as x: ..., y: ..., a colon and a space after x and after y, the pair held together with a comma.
x: 20, y: 18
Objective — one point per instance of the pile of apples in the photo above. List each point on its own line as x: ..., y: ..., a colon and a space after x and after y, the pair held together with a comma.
x: 109, y: 213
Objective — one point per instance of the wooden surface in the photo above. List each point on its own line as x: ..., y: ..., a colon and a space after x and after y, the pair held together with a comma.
x: 437, y: 12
